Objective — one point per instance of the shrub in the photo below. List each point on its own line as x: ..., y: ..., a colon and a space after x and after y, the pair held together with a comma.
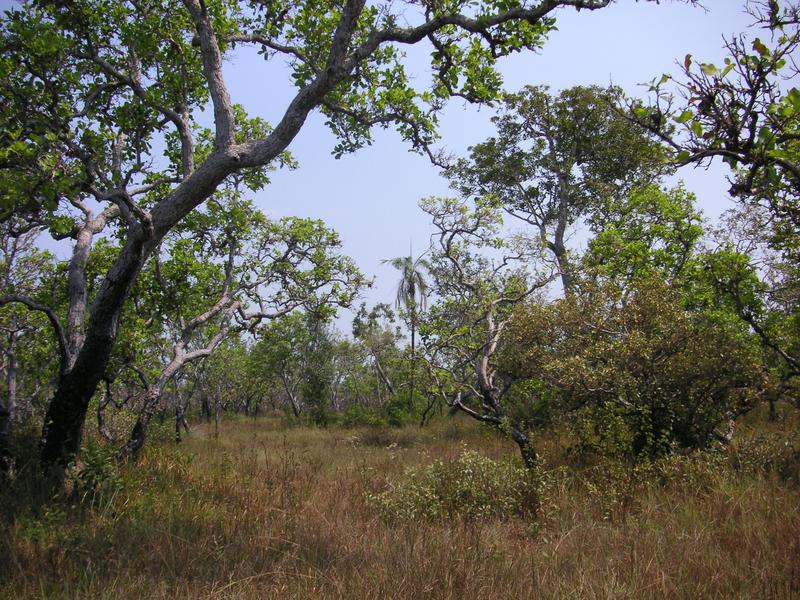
x: 675, y: 373
x: 471, y: 486
x: 96, y: 478
x: 600, y: 432
x: 361, y: 416
x: 399, y: 413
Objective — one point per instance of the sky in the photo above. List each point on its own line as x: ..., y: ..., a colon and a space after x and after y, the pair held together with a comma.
x: 371, y: 197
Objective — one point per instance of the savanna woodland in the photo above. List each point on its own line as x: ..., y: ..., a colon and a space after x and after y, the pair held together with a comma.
x: 583, y: 388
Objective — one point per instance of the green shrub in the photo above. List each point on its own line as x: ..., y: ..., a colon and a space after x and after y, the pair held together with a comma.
x: 399, y: 413
x: 471, y: 486
x: 361, y: 416
x: 96, y: 478
x: 600, y: 433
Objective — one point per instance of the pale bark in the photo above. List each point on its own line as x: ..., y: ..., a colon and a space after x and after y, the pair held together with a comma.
x: 154, y: 392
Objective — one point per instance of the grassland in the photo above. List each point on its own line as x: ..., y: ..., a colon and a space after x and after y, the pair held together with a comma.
x: 271, y: 511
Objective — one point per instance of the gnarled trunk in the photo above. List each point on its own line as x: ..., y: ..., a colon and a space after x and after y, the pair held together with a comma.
x: 63, y: 423
x: 138, y: 436
x: 526, y: 449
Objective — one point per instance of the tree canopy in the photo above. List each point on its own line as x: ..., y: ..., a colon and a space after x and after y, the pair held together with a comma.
x: 96, y: 89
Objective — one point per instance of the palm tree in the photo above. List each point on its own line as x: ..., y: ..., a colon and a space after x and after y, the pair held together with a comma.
x: 412, y: 293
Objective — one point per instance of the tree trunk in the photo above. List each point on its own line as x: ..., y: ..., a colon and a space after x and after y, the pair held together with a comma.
x: 66, y: 414
x: 102, y: 428
x: 217, y: 416
x: 63, y: 424
x: 382, y: 375
x: 558, y: 246
x: 180, y: 421
x: 526, y: 450
x: 8, y: 409
x: 138, y: 436
x: 205, y: 408
x: 428, y: 411
x: 413, y: 368
x: 293, y: 400
x: 178, y: 417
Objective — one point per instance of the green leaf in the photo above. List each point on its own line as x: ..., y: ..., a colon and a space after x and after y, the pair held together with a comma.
x: 727, y: 69
x: 730, y: 161
x: 759, y: 47
x: 697, y: 128
x: 794, y: 98
x: 687, y: 62
x: 684, y: 117
x: 709, y: 69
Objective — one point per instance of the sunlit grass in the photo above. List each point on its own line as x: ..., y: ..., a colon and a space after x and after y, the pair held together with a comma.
x: 267, y: 511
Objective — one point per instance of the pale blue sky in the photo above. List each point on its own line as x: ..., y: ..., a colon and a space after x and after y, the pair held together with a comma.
x: 371, y: 197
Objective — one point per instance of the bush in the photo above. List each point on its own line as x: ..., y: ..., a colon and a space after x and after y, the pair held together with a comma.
x: 96, y: 478
x: 675, y: 373
x: 601, y: 433
x: 361, y: 416
x: 471, y: 486
x: 399, y: 413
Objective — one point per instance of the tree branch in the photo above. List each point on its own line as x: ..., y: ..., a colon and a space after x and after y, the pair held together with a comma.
x: 58, y: 329
x: 212, y: 67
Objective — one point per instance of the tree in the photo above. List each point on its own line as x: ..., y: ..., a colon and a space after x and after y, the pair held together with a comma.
x: 227, y: 269
x: 92, y: 87
x: 25, y: 275
x: 745, y: 113
x: 761, y: 287
x: 740, y: 112
x: 280, y: 349
x: 558, y: 160
x: 317, y: 381
x: 374, y: 329
x: 479, y: 277
x: 649, y: 231
x: 672, y: 374
x: 412, y: 294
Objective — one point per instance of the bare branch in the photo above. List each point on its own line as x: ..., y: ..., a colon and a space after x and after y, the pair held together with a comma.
x: 212, y: 67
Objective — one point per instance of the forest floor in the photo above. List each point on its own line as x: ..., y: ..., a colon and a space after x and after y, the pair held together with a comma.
x: 271, y: 511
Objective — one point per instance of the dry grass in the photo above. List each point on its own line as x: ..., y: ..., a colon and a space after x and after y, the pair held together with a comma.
x: 268, y: 512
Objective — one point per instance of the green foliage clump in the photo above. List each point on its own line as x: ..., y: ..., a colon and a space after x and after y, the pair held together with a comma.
x: 400, y: 410
x: 638, y: 359
x: 96, y: 478
x: 471, y: 486
x: 357, y: 415
x: 601, y: 432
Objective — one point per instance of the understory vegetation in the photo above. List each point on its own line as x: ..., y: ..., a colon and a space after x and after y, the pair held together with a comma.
x: 272, y: 510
